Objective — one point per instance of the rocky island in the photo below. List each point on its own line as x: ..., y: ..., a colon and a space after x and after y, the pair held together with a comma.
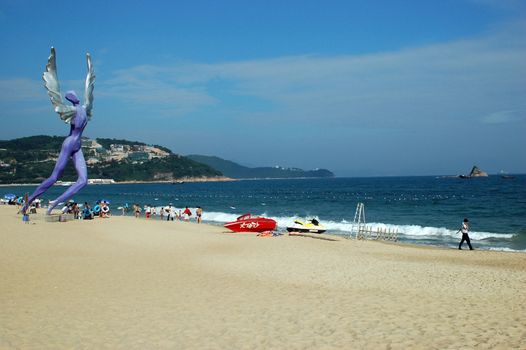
x: 475, y: 172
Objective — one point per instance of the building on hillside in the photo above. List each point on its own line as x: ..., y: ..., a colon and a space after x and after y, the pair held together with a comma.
x: 92, y: 161
x: 156, y: 152
x: 138, y: 156
x: 117, y: 148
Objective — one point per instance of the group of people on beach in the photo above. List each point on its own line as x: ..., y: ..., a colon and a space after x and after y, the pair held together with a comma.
x: 101, y: 209
x: 19, y: 201
x: 169, y: 212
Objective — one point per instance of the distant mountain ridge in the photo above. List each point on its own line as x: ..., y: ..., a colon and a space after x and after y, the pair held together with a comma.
x: 237, y: 171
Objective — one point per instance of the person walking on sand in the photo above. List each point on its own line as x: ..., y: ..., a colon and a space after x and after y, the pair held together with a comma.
x: 465, y: 237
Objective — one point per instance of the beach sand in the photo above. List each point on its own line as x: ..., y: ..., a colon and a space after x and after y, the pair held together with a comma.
x: 126, y: 283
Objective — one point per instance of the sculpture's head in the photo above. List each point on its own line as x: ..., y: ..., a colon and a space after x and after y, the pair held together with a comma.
x: 71, y: 96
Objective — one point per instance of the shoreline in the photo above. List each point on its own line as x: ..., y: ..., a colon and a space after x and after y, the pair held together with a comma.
x: 128, y: 283
x: 331, y: 236
x: 217, y: 219
x: 421, y: 226
x: 175, y: 181
x: 180, y: 180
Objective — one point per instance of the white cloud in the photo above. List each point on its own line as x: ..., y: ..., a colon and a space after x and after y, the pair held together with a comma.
x: 502, y: 117
x: 20, y: 90
x: 412, y: 85
x: 429, y: 85
x: 155, y: 86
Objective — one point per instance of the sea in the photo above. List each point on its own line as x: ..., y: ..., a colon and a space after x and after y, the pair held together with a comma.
x: 425, y: 210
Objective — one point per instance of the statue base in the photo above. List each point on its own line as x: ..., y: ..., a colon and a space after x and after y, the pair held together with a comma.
x: 59, y: 217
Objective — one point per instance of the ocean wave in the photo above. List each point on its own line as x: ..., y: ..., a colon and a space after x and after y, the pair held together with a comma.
x: 504, y: 249
x: 220, y: 217
x: 416, y: 231
x: 344, y: 227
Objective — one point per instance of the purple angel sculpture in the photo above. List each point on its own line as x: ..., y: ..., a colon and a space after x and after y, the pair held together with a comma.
x: 77, y: 116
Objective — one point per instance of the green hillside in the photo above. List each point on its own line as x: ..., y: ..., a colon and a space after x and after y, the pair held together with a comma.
x: 236, y: 171
x: 32, y: 159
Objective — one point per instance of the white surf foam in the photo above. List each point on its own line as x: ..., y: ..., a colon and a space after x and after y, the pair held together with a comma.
x: 220, y: 217
x: 504, y: 249
x: 345, y: 227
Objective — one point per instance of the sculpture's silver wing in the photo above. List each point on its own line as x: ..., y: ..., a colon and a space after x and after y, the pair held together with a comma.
x: 88, y: 93
x: 53, y: 89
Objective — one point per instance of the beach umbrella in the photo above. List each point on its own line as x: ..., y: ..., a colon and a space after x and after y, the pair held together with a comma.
x: 10, y: 196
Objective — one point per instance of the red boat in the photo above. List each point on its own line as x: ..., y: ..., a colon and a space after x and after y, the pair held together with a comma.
x: 249, y: 223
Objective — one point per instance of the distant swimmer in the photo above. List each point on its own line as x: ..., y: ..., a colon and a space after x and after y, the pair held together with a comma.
x: 464, y: 228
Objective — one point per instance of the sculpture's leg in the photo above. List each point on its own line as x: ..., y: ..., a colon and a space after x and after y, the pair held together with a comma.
x: 80, y: 166
x: 47, y: 183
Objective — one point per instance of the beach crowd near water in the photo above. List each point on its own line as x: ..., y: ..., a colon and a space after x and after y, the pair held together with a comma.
x: 101, y: 209
x: 168, y: 212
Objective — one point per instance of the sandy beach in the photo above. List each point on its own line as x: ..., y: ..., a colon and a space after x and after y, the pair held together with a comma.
x: 126, y: 283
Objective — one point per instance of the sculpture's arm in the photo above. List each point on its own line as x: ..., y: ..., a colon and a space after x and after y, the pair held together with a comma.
x: 53, y: 89
x: 88, y: 93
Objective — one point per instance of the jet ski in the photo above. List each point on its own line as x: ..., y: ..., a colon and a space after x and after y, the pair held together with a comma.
x: 312, y: 226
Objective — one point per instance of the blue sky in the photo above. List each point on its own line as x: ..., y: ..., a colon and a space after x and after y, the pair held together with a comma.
x: 363, y: 88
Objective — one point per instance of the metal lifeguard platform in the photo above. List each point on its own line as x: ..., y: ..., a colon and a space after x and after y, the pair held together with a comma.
x: 358, y: 225
x: 361, y: 231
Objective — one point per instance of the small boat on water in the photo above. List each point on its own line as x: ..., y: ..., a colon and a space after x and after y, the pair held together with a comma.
x: 310, y: 226
x: 504, y: 175
x: 249, y: 223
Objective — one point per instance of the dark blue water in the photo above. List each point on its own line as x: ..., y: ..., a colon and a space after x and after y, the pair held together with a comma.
x: 428, y: 210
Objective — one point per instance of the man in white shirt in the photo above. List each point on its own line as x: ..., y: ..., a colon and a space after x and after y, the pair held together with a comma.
x: 169, y: 212
x: 465, y: 237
